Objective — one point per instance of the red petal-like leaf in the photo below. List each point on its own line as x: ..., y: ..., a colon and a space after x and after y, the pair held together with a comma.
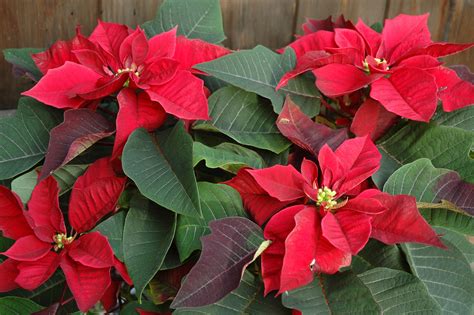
x: 94, y: 195
x: 44, y: 214
x: 282, y: 182
x: 8, y: 273
x: 122, y: 270
x: 190, y: 52
x: 134, y: 49
x: 347, y: 230
x: 347, y: 38
x: 304, y: 132
x: 135, y: 111
x: 420, y: 61
x: 371, y: 37
x: 257, y: 201
x: 110, y: 298
x: 87, y: 284
x: 183, y: 96
x: 314, y: 41
x: 372, y: 119
x: 158, y: 72
x: 364, y: 203
x: 402, y: 34
x: 35, y: 273
x: 277, y: 230
x: 409, y: 92
x: 60, y: 86
x: 307, y: 251
x: 162, y: 45
x: 109, y: 36
x: 402, y: 222
x: 441, y: 49
x: 12, y: 221
x: 225, y: 254
x: 453, y: 92
x: 340, y: 79
x: 28, y: 248
x: 80, y: 130
x: 92, y: 250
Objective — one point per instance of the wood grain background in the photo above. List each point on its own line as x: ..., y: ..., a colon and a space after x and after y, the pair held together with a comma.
x: 39, y: 23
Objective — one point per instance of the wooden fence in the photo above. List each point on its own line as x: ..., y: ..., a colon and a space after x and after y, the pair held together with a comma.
x: 38, y: 23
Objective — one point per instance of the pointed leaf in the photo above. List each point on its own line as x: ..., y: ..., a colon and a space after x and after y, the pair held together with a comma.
x: 92, y: 250
x: 445, y: 273
x: 112, y: 228
x: 246, y: 299
x: 304, y: 132
x: 12, y: 305
x: 376, y: 291
x: 429, y: 184
x: 228, y: 156
x: 240, y: 115
x: 22, y: 62
x: 462, y: 118
x: 445, y: 146
x: 164, y: 172
x: 217, y: 201
x: 229, y: 248
x: 196, y: 20
x: 24, y: 137
x: 259, y: 70
x: 65, y: 176
x: 80, y: 129
x: 147, y: 237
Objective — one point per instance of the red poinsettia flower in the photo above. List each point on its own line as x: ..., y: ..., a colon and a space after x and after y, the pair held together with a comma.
x: 152, y: 77
x: 400, y: 65
x: 331, y: 214
x: 43, y: 244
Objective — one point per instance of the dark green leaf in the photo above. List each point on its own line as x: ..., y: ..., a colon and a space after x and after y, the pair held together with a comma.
x: 239, y: 115
x: 376, y: 291
x: 446, y: 147
x: 217, y: 201
x: 378, y: 27
x: 163, y: 169
x: 259, y: 70
x: 147, y: 237
x: 21, y: 58
x: 24, y: 137
x: 195, y: 19
x: 12, y: 305
x: 462, y: 118
x: 246, y: 299
x: 227, y: 156
x: 378, y: 254
x: 113, y: 229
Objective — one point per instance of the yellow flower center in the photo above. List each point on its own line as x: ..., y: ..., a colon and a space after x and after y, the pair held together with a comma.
x: 325, y: 198
x: 130, y: 70
x: 61, y: 240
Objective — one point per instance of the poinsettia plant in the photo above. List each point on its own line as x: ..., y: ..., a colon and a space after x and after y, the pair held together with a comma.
x: 151, y: 170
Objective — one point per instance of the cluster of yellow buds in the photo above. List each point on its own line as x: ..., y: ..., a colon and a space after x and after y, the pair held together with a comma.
x: 326, y: 198
x: 61, y: 240
x: 120, y: 71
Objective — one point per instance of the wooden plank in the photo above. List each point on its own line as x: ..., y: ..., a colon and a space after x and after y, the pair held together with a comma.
x: 130, y: 12
x: 438, y: 10
x: 371, y: 11
x: 251, y: 22
x: 38, y: 23
x: 460, y: 30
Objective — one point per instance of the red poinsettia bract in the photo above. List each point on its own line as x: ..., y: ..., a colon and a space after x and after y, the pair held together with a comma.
x: 43, y: 244
x: 400, y: 65
x: 328, y: 214
x: 151, y: 76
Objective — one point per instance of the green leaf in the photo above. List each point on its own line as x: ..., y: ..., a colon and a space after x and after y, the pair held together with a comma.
x: 195, y: 19
x: 12, y: 305
x: 377, y: 254
x: 163, y: 169
x: 420, y: 179
x: 21, y: 58
x: 246, y: 299
x: 113, y: 229
x: 239, y: 115
x: 376, y: 291
x: 24, y: 137
x: 462, y: 118
x: 446, y: 147
x: 259, y: 70
x: 228, y: 156
x: 217, y: 201
x: 147, y: 237
x: 65, y: 176
x: 378, y: 27
x: 446, y: 274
